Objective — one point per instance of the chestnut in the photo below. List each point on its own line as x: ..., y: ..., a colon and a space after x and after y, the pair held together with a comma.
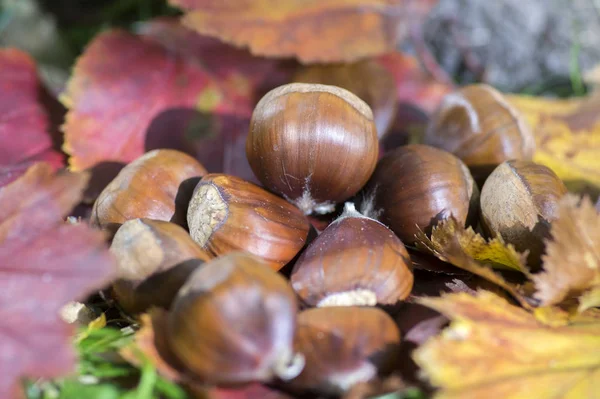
x: 227, y: 214
x: 478, y: 125
x: 154, y: 259
x: 344, y: 346
x: 415, y: 186
x: 368, y: 79
x: 156, y: 185
x: 316, y: 145
x: 355, y: 261
x: 519, y: 200
x: 233, y: 322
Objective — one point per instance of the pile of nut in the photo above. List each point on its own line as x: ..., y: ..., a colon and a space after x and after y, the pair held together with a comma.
x: 209, y: 247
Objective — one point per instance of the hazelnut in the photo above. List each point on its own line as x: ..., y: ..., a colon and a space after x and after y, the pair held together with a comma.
x: 518, y: 202
x: 157, y: 186
x: 233, y: 322
x: 478, y: 125
x: 369, y: 80
x: 228, y: 214
x: 355, y: 261
x: 415, y: 186
x: 344, y: 346
x: 154, y: 259
x: 314, y: 144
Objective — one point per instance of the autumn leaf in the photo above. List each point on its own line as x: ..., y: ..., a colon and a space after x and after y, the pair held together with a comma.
x: 567, y: 135
x: 310, y: 30
x: 161, y: 88
x: 496, y: 350
x: 453, y: 248
x: 44, y: 263
x: 494, y: 252
x: 572, y: 260
x: 24, y: 136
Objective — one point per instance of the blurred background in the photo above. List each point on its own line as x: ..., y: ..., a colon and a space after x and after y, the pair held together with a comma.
x: 525, y: 46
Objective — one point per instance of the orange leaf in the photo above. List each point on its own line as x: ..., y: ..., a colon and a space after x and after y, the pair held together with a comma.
x: 310, y: 30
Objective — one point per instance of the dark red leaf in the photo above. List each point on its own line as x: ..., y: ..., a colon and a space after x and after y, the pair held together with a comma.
x: 24, y: 126
x: 165, y: 87
x: 44, y: 263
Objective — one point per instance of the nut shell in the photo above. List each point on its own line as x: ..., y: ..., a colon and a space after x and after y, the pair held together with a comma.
x: 227, y: 214
x: 415, y: 186
x: 154, y: 259
x: 478, y: 125
x: 344, y: 346
x: 355, y: 261
x: 314, y: 144
x: 518, y: 202
x: 233, y: 322
x: 157, y: 185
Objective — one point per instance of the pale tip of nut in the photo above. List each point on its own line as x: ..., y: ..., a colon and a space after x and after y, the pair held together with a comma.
x: 343, y: 381
x: 207, y: 211
x: 308, y: 205
x: 358, y: 297
x: 289, y: 365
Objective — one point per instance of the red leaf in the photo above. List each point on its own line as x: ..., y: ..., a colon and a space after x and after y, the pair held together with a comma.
x: 24, y: 137
x: 44, y: 263
x: 132, y: 93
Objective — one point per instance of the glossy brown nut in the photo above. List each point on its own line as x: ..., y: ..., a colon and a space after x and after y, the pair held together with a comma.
x: 233, y: 322
x: 229, y: 214
x: 344, y: 346
x: 518, y: 202
x: 154, y: 258
x: 355, y: 261
x: 367, y: 79
x: 157, y: 186
x: 478, y: 125
x: 316, y: 145
x: 415, y: 186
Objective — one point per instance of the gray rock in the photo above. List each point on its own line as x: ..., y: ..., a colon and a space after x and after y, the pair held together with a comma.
x: 513, y: 44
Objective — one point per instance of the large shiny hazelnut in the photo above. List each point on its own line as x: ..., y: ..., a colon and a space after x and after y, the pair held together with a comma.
x: 415, y: 186
x: 344, y: 346
x: 355, y: 261
x: 229, y: 214
x: 233, y: 322
x: 314, y: 144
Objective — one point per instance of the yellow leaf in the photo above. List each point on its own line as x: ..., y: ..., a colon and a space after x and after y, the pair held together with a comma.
x: 494, y: 252
x: 447, y: 245
x: 496, y: 350
x: 567, y: 135
x: 572, y: 260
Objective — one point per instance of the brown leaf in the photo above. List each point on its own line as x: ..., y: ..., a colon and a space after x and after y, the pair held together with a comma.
x: 310, y: 30
x: 24, y: 125
x: 496, y: 350
x: 572, y: 260
x: 44, y: 263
